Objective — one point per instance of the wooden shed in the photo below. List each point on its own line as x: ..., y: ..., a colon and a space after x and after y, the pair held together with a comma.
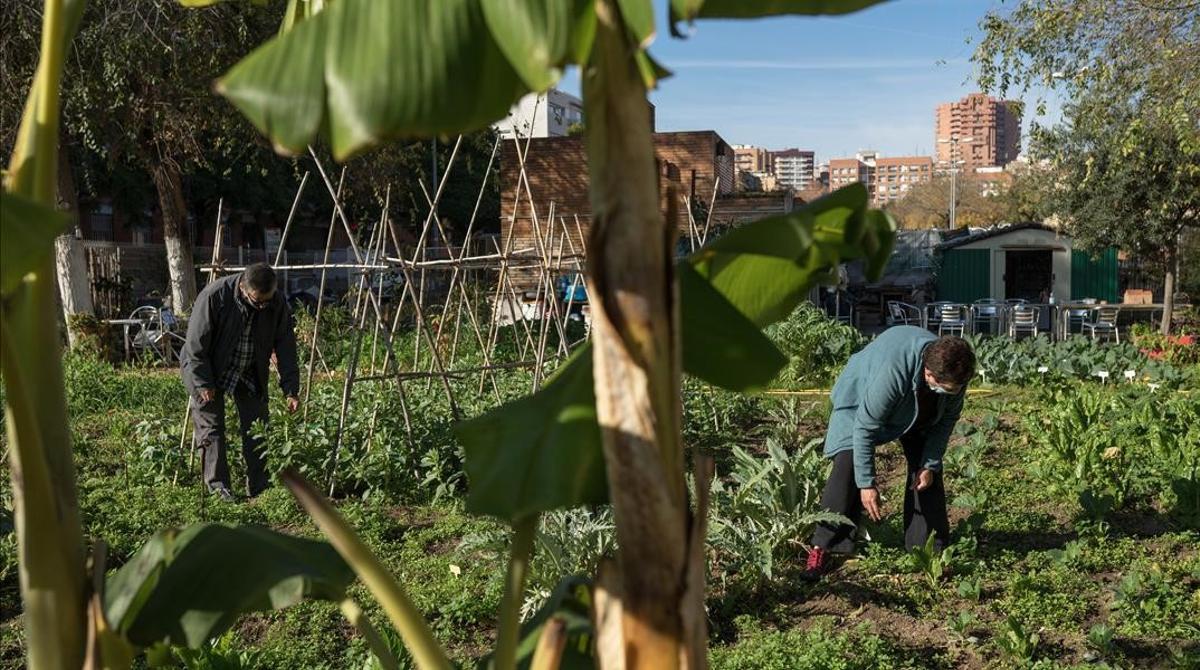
x: 1029, y: 261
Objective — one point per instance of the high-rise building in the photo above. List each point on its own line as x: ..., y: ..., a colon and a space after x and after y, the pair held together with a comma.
x: 895, y: 176
x: 794, y: 168
x: 749, y: 158
x: 978, y: 131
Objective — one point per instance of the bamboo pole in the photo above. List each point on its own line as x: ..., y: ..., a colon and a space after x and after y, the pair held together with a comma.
x: 287, y: 227
x: 321, y: 298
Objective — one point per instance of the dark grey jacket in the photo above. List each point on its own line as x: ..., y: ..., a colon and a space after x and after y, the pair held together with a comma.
x: 213, y: 331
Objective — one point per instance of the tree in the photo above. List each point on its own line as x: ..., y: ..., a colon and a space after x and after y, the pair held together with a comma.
x: 1126, y: 155
x: 143, y: 129
x: 927, y: 205
x: 136, y: 99
x: 1137, y: 188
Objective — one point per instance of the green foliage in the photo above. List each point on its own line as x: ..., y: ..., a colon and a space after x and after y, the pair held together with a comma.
x: 1156, y: 601
x: 970, y: 588
x: 720, y: 345
x: 817, y: 347
x: 185, y: 586
x: 1054, y: 597
x: 1004, y: 361
x: 410, y: 95
x: 931, y: 562
x: 1113, y: 447
x: 819, y: 648
x: 1015, y: 643
x: 567, y: 542
x: 768, y: 502
x: 1100, y: 638
x: 223, y: 653
x: 962, y: 623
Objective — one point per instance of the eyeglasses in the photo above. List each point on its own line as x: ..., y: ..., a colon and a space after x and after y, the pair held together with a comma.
x: 256, y: 304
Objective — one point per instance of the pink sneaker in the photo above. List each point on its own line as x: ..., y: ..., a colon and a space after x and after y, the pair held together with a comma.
x: 819, y: 564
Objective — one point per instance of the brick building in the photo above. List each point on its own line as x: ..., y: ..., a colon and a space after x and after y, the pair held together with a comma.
x: 691, y: 164
x: 978, y: 130
x: 843, y: 171
x: 894, y: 176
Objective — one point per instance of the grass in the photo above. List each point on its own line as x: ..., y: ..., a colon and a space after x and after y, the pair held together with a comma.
x: 1031, y: 584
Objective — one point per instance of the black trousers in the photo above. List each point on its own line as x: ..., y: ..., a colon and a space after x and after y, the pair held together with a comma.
x: 209, y: 420
x: 924, y: 512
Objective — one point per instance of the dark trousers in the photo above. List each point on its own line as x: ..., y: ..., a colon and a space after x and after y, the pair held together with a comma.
x: 924, y: 512
x: 209, y: 420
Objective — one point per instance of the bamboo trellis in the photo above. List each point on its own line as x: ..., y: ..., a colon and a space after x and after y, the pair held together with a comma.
x: 518, y: 285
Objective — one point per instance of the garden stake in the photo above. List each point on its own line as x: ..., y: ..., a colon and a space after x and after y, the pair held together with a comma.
x: 291, y: 215
x: 320, y: 303
x: 187, y: 415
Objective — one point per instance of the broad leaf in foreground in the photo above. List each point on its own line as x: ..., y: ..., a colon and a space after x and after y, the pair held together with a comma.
x: 543, y: 452
x: 767, y: 267
x: 539, y: 452
x: 687, y: 10
x: 720, y: 345
x: 534, y: 36
x: 370, y: 71
x: 187, y: 586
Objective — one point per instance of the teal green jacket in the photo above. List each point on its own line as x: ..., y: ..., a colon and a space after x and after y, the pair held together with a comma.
x: 875, y: 402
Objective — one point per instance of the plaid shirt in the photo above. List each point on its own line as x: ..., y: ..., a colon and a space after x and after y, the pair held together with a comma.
x: 241, y: 368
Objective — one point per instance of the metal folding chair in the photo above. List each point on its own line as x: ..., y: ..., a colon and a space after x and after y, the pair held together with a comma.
x: 1103, y: 322
x: 903, y: 313
x: 1024, y: 319
x: 953, y: 317
x: 986, y: 310
x: 157, y: 332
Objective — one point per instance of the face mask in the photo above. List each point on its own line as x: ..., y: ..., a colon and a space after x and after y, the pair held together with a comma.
x: 939, y: 390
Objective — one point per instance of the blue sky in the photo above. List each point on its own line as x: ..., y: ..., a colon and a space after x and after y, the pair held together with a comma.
x: 834, y: 85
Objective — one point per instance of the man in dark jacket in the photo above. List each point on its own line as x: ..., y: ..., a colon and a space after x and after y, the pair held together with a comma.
x: 906, y: 385
x: 235, y: 326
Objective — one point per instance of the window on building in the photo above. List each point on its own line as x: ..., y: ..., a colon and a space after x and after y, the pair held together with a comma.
x: 100, y: 222
x: 558, y: 113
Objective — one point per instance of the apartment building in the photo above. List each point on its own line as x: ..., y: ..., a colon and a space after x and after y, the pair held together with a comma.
x: 547, y: 114
x: 794, y: 168
x: 752, y: 159
x: 895, y: 176
x: 978, y: 131
x: 844, y: 171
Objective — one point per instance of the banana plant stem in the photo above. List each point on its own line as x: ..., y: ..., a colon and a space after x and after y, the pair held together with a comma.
x: 514, y: 591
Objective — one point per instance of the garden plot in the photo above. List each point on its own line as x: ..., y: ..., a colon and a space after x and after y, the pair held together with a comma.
x: 1073, y: 503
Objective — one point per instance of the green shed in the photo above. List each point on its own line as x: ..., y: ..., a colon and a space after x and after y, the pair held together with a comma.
x: 1030, y: 261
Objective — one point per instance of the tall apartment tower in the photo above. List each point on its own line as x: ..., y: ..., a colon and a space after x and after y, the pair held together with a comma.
x: 978, y: 130
x: 794, y: 168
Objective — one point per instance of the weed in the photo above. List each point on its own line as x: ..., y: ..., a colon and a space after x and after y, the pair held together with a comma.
x: 1015, y: 643
x: 931, y: 562
x: 970, y: 588
x: 1100, y: 638
x: 961, y: 624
